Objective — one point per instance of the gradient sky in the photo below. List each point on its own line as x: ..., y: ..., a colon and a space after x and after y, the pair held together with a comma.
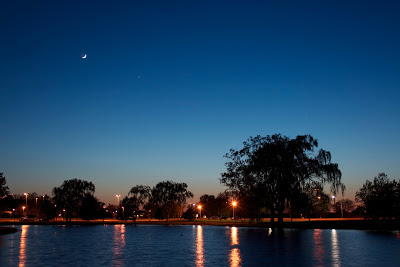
x: 168, y: 87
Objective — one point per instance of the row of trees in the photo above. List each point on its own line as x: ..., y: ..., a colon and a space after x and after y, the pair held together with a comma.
x: 75, y: 199
x: 268, y: 175
x: 279, y: 173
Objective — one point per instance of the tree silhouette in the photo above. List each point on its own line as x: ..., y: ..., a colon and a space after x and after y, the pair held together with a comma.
x: 89, y: 209
x: 4, y: 191
x: 381, y: 198
x: 169, y: 195
x: 273, y: 168
x: 71, y: 194
x: 138, y: 196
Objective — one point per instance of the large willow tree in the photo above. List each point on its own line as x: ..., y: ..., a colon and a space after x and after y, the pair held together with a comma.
x: 71, y: 195
x: 274, y: 168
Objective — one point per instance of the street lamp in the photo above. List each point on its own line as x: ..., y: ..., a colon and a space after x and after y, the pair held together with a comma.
x: 118, y: 199
x: 23, y: 209
x: 200, y: 211
x: 234, y: 205
x: 333, y: 198
x: 36, y: 201
x: 26, y: 197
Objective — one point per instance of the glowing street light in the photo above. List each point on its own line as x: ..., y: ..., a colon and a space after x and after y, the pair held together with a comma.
x: 26, y: 197
x: 200, y: 210
x: 118, y: 199
x: 36, y: 201
x: 234, y: 205
x: 23, y: 209
x: 333, y: 198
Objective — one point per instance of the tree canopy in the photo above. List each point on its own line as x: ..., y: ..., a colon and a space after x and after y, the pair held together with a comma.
x: 274, y: 168
x: 138, y: 196
x: 381, y: 197
x: 170, y: 195
x: 4, y: 191
x: 72, y: 194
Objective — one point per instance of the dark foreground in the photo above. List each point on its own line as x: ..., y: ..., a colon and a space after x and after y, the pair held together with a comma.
x: 329, y: 223
x: 7, y: 230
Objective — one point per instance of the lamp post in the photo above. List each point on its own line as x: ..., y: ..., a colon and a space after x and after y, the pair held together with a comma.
x: 200, y: 211
x: 23, y: 209
x: 118, y: 199
x: 234, y: 205
x: 14, y: 214
x: 333, y: 197
x: 26, y: 198
x: 36, y: 201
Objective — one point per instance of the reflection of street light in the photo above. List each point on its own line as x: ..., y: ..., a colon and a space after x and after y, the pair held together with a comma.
x: 118, y: 199
x: 26, y: 197
x: 234, y: 205
x: 200, y: 210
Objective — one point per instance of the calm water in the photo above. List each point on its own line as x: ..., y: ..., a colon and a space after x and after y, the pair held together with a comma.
x: 155, y: 245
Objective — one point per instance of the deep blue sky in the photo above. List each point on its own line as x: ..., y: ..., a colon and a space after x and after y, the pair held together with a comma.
x: 168, y: 87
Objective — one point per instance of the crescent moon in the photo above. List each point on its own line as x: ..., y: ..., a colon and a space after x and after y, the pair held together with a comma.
x: 84, y: 56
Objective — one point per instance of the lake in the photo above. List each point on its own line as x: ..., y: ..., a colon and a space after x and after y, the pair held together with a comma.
x: 158, y: 245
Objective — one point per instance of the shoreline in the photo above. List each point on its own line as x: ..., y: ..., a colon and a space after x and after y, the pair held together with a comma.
x: 350, y: 224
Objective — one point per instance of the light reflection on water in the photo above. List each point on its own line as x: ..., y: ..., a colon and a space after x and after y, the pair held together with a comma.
x: 154, y: 245
x: 119, y: 244
x: 319, y: 249
x: 22, y: 246
x: 199, y: 247
x: 234, y: 256
x: 335, y: 249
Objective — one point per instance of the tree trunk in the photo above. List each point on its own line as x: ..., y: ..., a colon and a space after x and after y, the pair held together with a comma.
x: 272, y: 210
x: 280, y: 218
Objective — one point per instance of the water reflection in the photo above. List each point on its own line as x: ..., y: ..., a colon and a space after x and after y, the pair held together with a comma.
x: 119, y: 244
x: 22, y: 246
x: 335, y: 248
x: 269, y: 231
x: 199, y: 247
x: 319, y: 252
x: 398, y: 235
x: 234, y: 256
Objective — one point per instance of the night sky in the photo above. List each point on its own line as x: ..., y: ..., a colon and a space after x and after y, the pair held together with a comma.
x: 168, y: 87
